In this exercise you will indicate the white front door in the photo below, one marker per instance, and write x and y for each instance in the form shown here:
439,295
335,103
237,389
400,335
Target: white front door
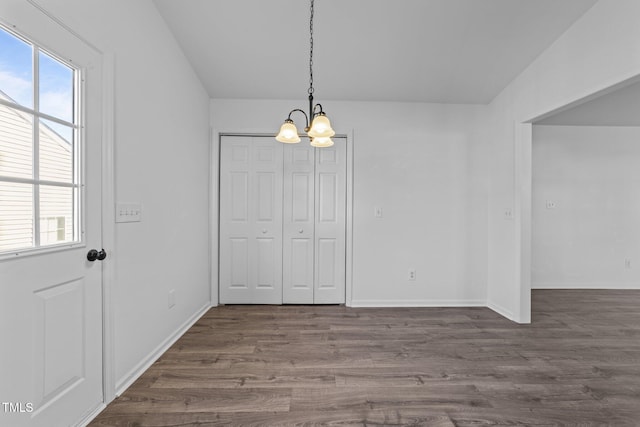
50,294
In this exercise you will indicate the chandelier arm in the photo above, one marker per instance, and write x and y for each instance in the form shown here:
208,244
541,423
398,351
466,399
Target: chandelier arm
306,118
313,111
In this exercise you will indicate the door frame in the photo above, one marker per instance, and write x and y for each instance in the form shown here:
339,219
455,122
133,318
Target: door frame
108,231
214,209
108,227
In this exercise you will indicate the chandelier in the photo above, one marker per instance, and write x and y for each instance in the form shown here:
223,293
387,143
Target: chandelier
319,129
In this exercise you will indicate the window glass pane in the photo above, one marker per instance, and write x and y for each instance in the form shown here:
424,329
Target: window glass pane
16,70
56,152
16,216
56,88
16,143
56,215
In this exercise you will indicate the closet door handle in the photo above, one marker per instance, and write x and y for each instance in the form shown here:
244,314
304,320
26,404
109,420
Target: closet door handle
301,231
264,231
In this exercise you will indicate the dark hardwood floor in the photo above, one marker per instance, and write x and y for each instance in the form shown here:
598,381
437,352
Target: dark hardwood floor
578,363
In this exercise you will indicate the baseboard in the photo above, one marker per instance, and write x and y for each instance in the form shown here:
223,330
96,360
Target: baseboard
417,303
502,311
585,285
146,363
91,415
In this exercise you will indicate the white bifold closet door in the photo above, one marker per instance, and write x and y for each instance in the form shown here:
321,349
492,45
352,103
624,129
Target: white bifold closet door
250,221
312,213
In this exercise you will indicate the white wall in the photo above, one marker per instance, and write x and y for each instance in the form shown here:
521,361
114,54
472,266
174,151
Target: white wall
601,49
420,163
161,161
589,177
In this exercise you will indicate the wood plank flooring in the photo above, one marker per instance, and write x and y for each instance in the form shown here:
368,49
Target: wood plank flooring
578,363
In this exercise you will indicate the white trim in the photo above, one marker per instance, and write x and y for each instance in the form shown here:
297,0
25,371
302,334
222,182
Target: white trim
349,231
108,226
522,207
502,311
155,354
586,285
61,23
85,420
33,111
212,296
419,303
33,181
588,95
42,250
214,215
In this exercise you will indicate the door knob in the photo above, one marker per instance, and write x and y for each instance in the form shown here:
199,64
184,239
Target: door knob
93,255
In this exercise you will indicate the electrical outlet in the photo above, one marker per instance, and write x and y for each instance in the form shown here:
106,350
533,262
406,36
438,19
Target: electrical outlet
172,298
411,274
508,213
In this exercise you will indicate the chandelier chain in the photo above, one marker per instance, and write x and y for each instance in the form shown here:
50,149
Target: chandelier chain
311,50
317,124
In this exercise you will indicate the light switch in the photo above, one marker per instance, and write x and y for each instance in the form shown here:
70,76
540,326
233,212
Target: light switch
128,212
377,212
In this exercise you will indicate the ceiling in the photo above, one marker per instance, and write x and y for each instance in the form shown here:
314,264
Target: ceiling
618,108
445,51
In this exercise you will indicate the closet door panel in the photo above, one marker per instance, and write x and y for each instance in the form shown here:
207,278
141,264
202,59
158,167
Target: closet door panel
235,171
330,226
266,264
298,227
250,221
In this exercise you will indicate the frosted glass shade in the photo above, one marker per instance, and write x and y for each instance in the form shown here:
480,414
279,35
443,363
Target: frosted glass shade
322,142
321,127
288,133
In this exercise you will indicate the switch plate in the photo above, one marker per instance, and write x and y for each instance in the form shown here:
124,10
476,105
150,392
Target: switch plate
550,204
377,212
627,263
128,212
411,274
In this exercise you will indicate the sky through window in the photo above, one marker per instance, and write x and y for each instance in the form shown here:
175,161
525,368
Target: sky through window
55,80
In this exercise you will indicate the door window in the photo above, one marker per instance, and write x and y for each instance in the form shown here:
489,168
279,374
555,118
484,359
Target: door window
39,147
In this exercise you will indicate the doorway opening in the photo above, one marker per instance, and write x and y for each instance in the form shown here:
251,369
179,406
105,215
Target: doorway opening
615,106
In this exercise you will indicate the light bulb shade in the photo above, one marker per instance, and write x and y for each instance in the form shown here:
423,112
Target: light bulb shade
321,127
288,133
322,142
